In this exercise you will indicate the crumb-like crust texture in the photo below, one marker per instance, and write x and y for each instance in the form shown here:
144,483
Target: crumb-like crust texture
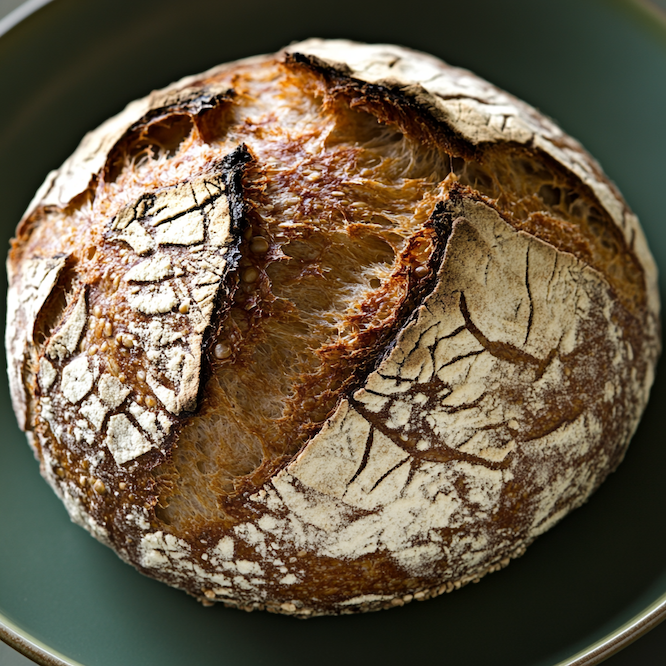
328,331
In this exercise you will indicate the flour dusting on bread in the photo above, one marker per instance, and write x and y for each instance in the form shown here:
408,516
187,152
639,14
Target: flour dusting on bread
328,331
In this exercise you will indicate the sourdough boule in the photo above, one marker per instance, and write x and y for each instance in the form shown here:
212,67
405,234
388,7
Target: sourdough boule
328,330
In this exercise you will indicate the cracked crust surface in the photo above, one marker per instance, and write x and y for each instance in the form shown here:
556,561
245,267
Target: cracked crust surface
328,331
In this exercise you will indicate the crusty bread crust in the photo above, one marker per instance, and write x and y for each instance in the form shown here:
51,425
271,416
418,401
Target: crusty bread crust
328,331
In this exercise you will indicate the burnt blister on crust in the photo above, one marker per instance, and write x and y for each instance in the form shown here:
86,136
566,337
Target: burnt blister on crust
275,357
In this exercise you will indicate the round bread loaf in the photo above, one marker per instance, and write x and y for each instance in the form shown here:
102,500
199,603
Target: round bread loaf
328,331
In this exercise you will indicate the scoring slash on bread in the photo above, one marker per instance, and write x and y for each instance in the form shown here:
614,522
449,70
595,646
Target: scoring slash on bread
328,331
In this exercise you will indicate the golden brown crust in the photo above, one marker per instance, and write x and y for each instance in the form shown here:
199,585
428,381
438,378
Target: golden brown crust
328,331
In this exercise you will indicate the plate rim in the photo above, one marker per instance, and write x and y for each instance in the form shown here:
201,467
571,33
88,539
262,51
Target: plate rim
29,646
20,13
613,642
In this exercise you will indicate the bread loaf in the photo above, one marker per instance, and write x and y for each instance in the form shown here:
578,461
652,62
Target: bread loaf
328,330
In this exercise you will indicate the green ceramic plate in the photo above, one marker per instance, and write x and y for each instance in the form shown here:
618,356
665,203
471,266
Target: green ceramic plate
599,69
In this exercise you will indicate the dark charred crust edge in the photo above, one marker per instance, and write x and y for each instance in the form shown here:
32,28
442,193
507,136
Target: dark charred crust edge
441,223
191,102
391,105
234,167
406,108
441,220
